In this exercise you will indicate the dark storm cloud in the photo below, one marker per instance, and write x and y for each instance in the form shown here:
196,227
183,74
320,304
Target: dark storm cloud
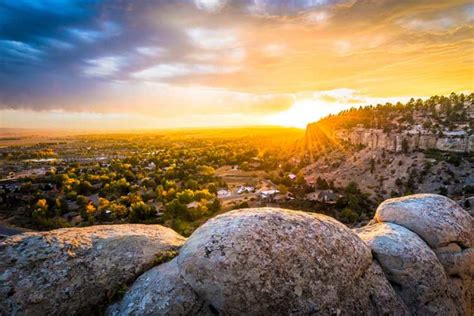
47,46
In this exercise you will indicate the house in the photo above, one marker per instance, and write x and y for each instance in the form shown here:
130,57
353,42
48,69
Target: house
223,193
94,198
323,196
245,189
151,166
282,197
72,205
70,215
328,196
194,204
268,195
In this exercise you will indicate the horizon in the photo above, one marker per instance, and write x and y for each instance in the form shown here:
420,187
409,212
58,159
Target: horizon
103,66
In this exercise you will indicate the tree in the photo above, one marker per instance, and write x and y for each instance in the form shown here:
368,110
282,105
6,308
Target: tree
84,188
372,165
349,216
322,184
352,188
140,211
41,208
282,188
89,212
405,145
175,210
118,210
215,206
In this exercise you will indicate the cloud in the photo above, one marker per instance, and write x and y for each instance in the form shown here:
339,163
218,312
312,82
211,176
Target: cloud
15,51
85,55
212,6
104,66
212,39
152,51
274,49
166,71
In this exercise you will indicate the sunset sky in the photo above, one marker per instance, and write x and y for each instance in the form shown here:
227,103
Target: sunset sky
90,64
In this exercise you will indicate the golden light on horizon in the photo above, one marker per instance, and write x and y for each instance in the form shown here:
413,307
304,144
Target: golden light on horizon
230,63
299,114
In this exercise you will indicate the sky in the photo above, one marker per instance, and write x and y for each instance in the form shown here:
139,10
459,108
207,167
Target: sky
144,64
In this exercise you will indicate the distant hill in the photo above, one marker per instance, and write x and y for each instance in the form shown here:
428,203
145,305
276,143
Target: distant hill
394,149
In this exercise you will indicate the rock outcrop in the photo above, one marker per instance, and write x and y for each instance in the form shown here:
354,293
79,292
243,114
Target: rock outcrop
435,218
160,291
72,271
416,257
411,266
273,261
458,141
448,231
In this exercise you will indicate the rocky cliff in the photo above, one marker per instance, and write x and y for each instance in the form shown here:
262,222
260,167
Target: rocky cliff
415,257
373,138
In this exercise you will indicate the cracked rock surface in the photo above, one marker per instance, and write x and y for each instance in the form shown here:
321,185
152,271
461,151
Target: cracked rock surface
160,291
436,219
71,271
274,261
411,266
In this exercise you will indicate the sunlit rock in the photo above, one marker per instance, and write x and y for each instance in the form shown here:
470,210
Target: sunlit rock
160,291
411,266
274,261
74,270
436,219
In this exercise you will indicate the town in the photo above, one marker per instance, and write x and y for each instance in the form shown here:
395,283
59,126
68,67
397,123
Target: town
177,179
180,179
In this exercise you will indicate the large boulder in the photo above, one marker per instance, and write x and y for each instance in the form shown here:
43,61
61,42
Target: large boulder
411,266
460,291
435,218
458,264
74,270
160,291
383,298
273,261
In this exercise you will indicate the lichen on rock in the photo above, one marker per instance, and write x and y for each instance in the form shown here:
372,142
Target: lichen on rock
264,261
411,266
436,219
160,291
73,270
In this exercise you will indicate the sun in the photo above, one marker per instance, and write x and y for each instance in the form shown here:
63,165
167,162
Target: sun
300,113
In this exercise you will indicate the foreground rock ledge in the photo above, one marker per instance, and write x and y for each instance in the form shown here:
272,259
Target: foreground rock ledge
73,270
273,261
417,259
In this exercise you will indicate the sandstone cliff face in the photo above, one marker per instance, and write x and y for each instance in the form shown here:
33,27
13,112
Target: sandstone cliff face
256,262
378,139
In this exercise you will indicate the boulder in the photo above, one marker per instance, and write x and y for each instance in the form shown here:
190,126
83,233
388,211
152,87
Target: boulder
435,218
460,291
383,298
459,263
160,291
74,270
411,266
272,261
